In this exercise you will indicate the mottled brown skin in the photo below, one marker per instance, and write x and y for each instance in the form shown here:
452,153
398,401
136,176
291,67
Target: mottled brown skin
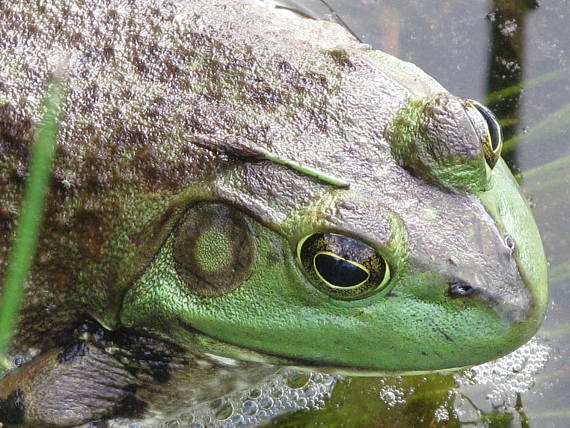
124,156
111,157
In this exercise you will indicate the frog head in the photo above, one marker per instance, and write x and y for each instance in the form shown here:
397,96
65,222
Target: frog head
423,255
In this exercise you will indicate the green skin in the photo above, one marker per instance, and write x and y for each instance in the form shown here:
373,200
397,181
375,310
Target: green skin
290,127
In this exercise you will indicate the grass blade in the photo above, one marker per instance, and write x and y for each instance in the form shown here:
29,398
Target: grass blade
27,230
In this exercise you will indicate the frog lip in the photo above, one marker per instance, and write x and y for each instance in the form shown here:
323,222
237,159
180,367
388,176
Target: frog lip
244,353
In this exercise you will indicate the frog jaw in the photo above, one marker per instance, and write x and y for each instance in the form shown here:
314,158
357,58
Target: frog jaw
225,350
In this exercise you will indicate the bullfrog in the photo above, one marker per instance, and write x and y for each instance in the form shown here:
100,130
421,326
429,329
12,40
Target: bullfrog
237,190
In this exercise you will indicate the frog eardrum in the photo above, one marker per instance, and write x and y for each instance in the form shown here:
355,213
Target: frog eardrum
214,250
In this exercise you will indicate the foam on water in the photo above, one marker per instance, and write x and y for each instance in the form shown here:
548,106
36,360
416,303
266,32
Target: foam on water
484,388
287,391
510,375
492,387
393,395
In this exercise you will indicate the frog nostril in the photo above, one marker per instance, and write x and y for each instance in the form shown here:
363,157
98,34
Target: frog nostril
459,288
510,243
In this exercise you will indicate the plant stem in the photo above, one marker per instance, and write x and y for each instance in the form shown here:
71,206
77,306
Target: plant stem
27,230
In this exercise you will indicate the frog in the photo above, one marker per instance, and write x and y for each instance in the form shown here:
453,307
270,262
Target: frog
236,190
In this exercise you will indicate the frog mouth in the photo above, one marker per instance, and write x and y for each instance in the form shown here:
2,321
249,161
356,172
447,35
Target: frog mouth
222,348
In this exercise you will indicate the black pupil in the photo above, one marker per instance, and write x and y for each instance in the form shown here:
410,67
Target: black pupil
339,272
493,125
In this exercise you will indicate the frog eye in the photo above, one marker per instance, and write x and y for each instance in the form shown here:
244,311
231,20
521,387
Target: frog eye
342,267
493,141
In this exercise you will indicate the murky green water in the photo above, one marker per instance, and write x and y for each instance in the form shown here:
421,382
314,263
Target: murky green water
515,56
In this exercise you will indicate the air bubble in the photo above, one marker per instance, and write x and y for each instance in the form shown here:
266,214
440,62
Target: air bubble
266,403
311,391
277,393
236,419
250,408
392,395
292,395
441,414
297,380
224,412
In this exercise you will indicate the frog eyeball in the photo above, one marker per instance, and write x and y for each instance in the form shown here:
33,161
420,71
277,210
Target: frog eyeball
342,267
493,142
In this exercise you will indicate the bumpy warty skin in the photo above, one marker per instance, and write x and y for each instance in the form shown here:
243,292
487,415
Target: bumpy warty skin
141,82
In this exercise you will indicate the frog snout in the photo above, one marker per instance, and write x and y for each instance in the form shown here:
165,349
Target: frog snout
521,241
511,308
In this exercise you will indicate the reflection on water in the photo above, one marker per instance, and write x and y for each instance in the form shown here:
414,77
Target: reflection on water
312,10
506,64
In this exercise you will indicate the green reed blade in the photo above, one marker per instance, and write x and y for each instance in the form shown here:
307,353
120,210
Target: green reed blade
27,230
555,122
554,184
561,167
496,96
